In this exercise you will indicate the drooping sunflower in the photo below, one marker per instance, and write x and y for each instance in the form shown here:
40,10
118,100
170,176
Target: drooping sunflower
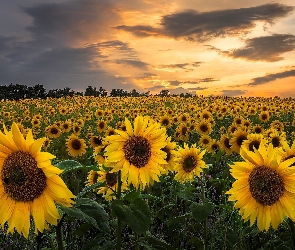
29,184
213,146
75,145
189,163
264,189
137,152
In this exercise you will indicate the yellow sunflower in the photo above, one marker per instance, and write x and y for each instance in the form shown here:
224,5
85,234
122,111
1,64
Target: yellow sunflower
264,189
53,131
189,163
75,146
29,184
95,141
237,139
171,155
111,181
137,152
253,141
225,145
204,141
204,127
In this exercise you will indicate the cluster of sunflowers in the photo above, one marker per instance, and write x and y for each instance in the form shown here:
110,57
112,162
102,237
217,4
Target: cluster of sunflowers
168,135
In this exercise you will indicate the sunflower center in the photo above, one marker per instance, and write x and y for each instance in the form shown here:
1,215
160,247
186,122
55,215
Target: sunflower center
76,144
226,143
257,130
189,163
111,179
97,140
21,177
275,141
168,154
54,131
254,144
205,141
266,185
137,151
204,128
240,140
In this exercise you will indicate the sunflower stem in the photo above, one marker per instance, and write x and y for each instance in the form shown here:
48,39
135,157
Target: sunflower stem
292,229
60,244
119,225
206,220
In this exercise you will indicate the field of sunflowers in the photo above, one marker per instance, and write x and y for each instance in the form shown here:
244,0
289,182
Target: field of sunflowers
153,172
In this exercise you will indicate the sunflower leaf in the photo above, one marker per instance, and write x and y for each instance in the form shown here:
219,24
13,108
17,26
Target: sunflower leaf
137,215
96,211
79,214
201,211
88,189
68,165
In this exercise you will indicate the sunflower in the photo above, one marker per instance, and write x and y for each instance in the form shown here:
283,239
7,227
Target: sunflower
204,141
76,129
253,141
171,155
286,152
110,131
258,129
238,137
183,132
264,187
53,131
101,126
189,163
29,184
46,143
66,126
111,182
165,121
35,123
225,145
213,146
95,141
277,139
75,146
137,152
264,116
99,156
204,127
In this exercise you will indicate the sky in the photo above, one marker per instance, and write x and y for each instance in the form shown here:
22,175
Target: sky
213,47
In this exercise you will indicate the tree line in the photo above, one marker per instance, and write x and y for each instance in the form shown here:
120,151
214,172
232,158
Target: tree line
19,91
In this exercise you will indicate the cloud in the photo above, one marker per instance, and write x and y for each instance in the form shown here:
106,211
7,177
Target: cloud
197,88
232,93
207,79
264,48
179,65
135,63
203,26
174,83
71,22
271,77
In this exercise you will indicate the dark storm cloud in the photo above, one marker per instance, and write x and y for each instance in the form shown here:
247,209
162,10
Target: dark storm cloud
59,23
271,77
264,48
232,93
203,26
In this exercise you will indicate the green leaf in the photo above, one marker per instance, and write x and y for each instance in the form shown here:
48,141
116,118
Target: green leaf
68,165
96,211
77,213
178,219
137,215
232,237
158,243
88,189
132,196
201,211
188,194
196,242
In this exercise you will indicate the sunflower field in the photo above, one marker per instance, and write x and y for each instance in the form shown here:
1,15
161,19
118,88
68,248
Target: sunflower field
151,172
